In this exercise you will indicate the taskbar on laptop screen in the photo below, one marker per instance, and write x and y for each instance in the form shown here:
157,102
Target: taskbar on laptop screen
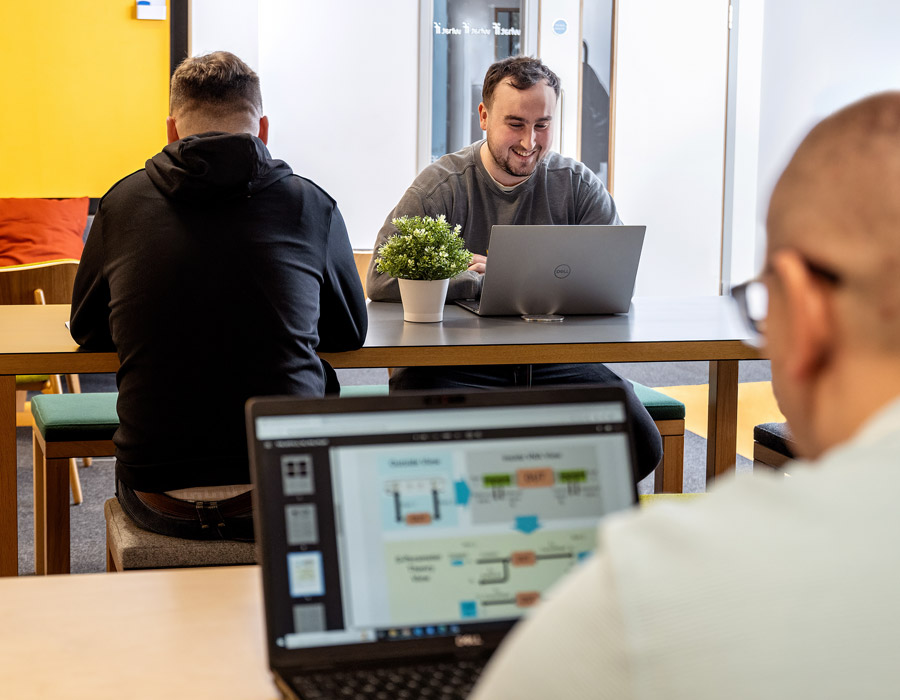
301,640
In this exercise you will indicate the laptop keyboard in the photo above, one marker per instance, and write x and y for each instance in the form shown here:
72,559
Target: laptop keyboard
444,681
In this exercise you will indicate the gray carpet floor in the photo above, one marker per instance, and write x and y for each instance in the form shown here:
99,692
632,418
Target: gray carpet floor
88,526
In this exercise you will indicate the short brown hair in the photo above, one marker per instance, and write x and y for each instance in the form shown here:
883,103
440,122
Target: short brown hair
522,72
218,82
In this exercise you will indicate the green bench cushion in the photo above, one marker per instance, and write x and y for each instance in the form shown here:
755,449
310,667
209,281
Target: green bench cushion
68,417
658,405
65,417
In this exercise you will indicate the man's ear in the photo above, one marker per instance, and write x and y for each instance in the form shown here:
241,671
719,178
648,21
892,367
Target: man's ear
171,130
808,312
482,116
264,130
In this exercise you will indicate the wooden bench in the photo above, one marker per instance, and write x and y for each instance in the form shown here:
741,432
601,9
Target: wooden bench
77,425
65,426
668,414
773,446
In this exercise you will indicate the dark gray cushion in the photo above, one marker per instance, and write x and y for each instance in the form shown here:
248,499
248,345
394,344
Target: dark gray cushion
777,437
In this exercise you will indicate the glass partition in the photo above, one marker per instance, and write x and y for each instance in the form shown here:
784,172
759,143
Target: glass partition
467,37
460,38
596,43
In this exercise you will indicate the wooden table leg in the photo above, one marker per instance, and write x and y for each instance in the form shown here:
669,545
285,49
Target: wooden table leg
721,444
9,534
40,506
56,516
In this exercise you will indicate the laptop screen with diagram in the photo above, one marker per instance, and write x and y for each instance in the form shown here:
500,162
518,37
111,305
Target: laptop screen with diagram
381,527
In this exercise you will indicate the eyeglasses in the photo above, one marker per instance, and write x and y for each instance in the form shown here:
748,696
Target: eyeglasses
752,299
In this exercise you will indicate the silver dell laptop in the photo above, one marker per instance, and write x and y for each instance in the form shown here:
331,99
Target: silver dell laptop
535,270
401,537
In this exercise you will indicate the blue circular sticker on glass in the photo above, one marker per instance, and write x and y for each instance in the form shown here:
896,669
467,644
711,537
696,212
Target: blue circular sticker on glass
560,26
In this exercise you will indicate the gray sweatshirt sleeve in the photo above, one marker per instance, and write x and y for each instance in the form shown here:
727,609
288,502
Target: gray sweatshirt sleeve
379,287
595,205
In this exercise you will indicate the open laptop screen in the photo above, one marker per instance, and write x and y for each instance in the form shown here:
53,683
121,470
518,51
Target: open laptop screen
430,517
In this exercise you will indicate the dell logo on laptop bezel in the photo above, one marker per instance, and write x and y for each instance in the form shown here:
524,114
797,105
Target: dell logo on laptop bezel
468,640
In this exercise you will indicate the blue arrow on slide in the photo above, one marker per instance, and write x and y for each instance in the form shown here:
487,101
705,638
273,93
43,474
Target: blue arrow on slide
527,523
462,492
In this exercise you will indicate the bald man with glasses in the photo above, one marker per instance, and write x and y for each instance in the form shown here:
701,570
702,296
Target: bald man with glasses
771,587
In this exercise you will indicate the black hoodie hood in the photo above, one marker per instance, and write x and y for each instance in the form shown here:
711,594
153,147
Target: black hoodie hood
214,166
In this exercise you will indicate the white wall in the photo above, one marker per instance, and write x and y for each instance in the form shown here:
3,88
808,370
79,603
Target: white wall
744,220
562,52
225,25
818,56
339,82
669,141
344,111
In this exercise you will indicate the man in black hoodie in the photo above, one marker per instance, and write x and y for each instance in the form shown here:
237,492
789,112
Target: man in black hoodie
215,273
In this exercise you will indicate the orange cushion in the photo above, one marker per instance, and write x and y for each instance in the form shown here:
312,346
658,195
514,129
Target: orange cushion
36,230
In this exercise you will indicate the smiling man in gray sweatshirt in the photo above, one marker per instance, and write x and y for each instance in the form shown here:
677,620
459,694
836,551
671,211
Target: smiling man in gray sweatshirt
510,177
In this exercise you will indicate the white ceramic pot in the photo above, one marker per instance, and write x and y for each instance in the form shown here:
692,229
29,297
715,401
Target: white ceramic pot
423,300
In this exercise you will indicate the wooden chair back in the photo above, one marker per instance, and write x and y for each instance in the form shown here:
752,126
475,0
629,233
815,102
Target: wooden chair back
38,283
362,258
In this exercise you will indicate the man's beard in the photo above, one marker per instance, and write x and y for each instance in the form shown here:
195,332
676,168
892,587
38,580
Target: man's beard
502,160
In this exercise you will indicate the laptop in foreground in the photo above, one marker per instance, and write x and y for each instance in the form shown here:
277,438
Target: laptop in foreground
401,537
535,270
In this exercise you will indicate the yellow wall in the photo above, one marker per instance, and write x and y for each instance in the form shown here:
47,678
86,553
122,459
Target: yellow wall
83,98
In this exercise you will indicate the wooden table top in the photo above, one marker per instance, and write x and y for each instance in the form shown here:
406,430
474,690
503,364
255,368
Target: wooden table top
37,337
144,634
